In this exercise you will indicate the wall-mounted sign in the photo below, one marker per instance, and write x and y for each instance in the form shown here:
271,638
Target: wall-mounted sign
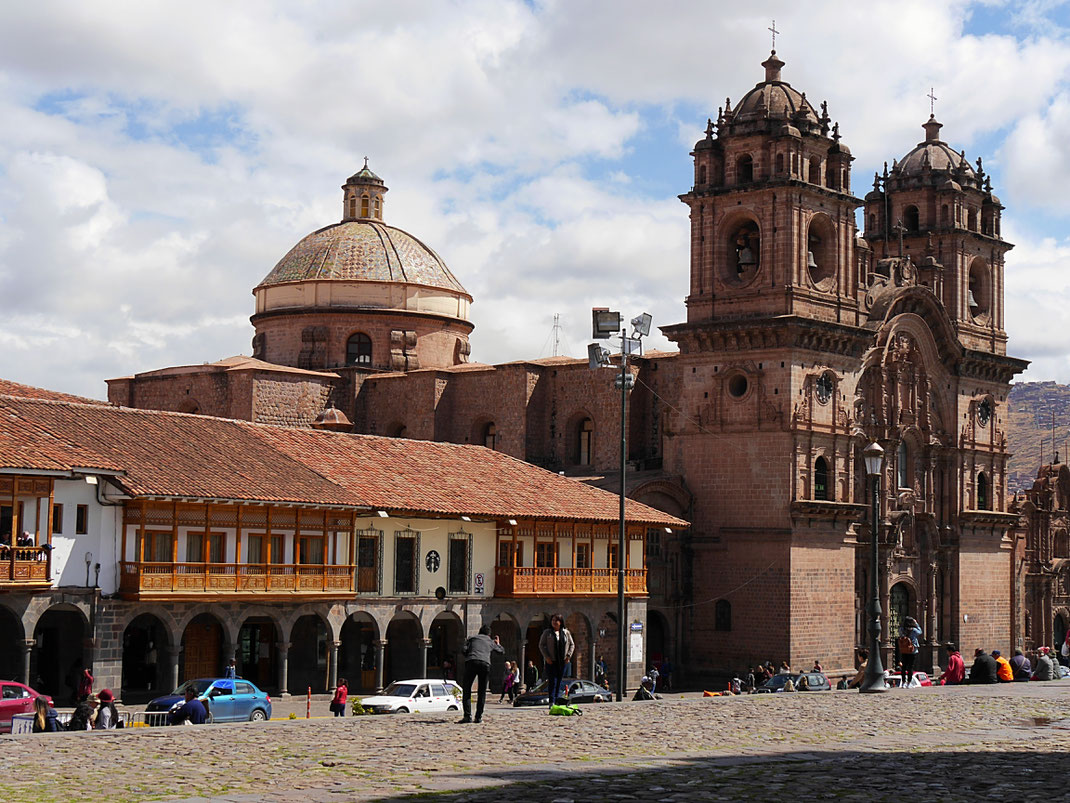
433,561
480,583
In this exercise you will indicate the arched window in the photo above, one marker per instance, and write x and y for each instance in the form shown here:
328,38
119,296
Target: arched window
744,251
702,175
722,615
945,215
745,169
364,206
982,491
815,170
872,222
903,465
821,480
584,442
971,220
779,163
490,435
845,180
352,206
910,218
359,350
378,208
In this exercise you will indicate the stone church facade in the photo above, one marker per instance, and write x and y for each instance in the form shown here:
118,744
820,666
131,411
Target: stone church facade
804,340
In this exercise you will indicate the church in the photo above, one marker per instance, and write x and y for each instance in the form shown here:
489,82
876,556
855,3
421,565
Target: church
802,341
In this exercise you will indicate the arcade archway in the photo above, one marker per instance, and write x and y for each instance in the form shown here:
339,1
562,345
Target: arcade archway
404,645
60,652
309,654
256,651
447,644
356,656
202,648
145,656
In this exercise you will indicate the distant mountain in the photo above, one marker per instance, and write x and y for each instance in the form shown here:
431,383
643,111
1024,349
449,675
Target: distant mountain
1029,430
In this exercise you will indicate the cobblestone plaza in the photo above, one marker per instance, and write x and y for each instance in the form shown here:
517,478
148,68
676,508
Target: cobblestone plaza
940,744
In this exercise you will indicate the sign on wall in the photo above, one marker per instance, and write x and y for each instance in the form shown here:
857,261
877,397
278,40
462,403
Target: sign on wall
479,583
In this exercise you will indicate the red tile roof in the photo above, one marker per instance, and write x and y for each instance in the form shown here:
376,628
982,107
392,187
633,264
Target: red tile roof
9,388
193,456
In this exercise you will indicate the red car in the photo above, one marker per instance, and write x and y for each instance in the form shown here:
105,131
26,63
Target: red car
16,698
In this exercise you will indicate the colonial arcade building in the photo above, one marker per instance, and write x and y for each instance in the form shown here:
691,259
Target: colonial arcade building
804,340
305,554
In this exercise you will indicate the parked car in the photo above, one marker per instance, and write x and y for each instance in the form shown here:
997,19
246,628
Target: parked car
894,679
16,698
227,699
422,695
815,681
577,691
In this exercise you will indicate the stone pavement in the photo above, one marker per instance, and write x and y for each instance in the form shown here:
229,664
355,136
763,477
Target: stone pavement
1008,742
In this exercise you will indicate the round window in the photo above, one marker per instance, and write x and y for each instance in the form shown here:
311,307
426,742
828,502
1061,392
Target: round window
737,386
984,412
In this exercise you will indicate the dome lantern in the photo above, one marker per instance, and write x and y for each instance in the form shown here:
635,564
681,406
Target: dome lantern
362,197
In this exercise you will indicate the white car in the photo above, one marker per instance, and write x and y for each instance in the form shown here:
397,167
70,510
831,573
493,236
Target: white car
415,696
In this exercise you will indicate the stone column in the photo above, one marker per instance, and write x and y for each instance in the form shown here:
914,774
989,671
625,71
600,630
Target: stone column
592,649
284,667
334,665
230,650
522,646
27,651
425,645
380,650
176,658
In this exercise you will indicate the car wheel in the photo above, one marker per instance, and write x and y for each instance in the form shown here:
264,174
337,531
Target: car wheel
402,710
599,699
453,708
258,715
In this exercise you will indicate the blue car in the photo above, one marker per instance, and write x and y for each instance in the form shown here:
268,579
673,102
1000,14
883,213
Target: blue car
227,699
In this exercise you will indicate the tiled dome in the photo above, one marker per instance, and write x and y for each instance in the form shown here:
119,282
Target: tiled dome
933,154
774,97
363,250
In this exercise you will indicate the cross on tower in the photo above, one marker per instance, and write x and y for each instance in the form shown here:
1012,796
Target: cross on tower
365,161
932,102
775,32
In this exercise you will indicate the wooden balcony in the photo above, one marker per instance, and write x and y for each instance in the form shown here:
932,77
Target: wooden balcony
525,581
24,567
258,580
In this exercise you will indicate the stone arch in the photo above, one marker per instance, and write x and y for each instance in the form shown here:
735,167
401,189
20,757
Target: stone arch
404,647
311,638
259,634
921,311
605,647
484,432
740,235
446,633
146,657
658,639
580,436
229,625
911,218
359,350
821,254
1060,625
189,406
358,652
979,288
506,627
664,495
745,169
821,486
814,170
203,644
61,634
902,602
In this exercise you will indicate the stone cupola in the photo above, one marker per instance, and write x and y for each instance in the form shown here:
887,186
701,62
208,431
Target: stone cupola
363,195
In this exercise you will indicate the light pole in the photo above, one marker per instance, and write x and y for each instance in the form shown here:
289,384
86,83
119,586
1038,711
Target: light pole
874,679
604,325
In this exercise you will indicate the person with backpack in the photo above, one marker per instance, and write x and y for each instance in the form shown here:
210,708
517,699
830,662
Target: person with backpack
45,719
909,633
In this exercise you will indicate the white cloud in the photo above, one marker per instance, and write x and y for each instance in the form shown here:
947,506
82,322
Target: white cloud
157,160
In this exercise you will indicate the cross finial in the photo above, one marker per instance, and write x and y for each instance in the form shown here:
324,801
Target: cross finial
365,161
774,32
932,102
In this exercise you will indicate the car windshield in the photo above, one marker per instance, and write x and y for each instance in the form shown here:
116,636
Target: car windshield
776,681
199,686
399,690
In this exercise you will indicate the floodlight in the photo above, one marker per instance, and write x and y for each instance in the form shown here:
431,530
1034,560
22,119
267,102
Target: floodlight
604,323
383,514
512,522
641,324
466,518
597,357
631,345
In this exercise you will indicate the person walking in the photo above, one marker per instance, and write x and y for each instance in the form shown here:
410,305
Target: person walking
341,694
477,651
507,683
556,646
909,633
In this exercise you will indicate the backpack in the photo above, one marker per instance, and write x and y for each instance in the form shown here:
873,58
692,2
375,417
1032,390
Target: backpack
906,644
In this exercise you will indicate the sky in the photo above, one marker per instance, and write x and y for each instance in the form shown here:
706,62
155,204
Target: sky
157,159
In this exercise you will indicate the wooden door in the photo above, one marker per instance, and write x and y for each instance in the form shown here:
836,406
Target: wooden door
202,650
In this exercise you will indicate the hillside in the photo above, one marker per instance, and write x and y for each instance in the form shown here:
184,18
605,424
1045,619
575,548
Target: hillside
1029,430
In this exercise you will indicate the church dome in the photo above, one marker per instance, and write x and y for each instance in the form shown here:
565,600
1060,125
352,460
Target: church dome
363,250
775,98
933,154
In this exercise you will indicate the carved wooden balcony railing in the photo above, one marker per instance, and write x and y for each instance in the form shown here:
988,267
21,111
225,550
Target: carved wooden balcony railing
524,581
254,579
24,566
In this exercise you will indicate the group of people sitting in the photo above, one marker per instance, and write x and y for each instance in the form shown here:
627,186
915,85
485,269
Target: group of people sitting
94,712
994,668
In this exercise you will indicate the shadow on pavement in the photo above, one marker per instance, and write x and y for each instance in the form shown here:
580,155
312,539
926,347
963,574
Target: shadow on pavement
845,775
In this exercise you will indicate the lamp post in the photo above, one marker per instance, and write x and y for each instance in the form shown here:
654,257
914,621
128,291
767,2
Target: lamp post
604,325
874,679
88,563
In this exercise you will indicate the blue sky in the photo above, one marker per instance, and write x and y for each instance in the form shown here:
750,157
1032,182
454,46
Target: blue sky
156,161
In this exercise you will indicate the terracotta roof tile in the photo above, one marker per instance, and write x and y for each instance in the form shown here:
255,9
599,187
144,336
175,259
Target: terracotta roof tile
9,388
176,454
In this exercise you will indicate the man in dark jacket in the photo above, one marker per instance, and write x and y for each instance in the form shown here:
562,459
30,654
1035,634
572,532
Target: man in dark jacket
984,668
531,676
477,652
191,711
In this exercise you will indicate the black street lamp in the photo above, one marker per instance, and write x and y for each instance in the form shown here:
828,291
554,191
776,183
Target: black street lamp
874,679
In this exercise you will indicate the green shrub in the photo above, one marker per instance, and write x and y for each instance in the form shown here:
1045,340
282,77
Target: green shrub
357,708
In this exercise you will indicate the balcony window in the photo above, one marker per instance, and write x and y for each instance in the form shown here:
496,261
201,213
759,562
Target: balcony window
544,555
505,553
368,560
459,569
583,556
406,562
311,549
157,546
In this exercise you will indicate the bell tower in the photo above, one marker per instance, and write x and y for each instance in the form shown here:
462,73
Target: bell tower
772,215
936,208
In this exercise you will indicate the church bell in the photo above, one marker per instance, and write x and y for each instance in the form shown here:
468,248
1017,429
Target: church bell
972,301
810,260
746,258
